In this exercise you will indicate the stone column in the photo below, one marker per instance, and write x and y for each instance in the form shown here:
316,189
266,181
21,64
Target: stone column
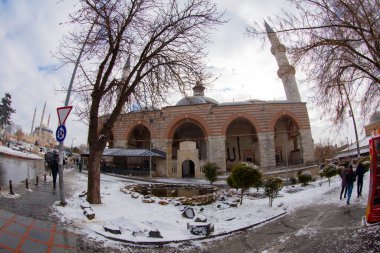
267,149
217,151
307,146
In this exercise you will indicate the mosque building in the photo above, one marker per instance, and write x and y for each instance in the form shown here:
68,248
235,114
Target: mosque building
199,129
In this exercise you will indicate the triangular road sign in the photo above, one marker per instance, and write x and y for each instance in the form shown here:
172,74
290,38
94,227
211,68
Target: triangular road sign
63,112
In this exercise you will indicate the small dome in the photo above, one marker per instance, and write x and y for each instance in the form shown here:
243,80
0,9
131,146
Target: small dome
375,117
196,100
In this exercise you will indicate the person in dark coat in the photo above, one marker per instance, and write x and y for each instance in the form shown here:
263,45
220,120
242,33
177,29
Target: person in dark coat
360,170
350,178
344,181
54,169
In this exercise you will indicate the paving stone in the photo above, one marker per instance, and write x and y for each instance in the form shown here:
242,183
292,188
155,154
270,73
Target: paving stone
65,239
39,235
43,224
23,220
33,247
63,250
16,229
9,240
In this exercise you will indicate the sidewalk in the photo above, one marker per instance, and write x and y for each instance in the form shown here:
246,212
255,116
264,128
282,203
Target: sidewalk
26,224
23,234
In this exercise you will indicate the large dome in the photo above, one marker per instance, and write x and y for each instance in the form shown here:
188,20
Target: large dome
196,100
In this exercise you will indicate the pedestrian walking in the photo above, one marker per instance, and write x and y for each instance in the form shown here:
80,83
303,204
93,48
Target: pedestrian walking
350,178
360,170
80,166
54,169
344,181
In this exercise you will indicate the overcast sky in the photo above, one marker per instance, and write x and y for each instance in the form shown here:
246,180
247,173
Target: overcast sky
30,32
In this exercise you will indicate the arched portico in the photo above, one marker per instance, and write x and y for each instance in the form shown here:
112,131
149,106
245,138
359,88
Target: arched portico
287,141
241,142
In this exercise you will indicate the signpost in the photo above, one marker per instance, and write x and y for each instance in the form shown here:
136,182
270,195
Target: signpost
63,113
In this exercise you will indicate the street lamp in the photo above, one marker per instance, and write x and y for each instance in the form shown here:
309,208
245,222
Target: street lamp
71,149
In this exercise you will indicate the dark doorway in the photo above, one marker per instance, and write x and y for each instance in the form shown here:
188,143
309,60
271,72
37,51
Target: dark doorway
188,169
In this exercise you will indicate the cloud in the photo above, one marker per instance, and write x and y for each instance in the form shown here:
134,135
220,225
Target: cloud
30,31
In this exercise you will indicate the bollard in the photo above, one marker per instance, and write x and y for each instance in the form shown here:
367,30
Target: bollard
26,184
11,188
45,177
36,180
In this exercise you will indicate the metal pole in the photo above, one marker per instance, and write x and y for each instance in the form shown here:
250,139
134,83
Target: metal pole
354,121
61,144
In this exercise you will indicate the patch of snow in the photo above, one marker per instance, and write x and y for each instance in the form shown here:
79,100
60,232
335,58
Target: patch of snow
136,219
17,153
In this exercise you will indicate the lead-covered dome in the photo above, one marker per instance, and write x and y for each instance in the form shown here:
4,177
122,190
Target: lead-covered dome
198,97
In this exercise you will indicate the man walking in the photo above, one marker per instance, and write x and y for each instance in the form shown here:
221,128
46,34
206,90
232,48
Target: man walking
350,178
54,169
360,170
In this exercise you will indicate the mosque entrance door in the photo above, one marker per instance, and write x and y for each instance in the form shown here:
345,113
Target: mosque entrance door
188,169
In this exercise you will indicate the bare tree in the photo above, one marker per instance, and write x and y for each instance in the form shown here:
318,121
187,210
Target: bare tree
337,44
324,150
160,43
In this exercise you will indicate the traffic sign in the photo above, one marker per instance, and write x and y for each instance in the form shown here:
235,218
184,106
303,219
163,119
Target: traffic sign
63,112
60,134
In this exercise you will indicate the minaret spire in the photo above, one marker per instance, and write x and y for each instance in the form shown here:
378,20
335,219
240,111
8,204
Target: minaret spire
42,118
48,120
285,71
34,116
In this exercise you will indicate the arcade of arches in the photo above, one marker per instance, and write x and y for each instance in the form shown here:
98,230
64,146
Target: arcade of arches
190,140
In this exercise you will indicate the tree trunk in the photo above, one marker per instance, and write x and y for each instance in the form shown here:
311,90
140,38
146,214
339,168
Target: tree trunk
93,185
241,196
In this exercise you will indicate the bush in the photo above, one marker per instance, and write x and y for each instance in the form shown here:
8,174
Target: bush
329,171
243,176
210,171
304,177
272,186
230,182
293,180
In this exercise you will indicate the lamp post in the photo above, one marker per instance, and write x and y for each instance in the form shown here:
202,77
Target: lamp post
71,149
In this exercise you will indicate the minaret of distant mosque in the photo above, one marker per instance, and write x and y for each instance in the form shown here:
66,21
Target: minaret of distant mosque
34,116
285,71
42,118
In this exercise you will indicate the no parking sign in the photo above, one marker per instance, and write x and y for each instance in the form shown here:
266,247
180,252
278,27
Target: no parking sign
60,134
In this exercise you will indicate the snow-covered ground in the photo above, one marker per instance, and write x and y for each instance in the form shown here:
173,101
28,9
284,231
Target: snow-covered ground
16,153
135,219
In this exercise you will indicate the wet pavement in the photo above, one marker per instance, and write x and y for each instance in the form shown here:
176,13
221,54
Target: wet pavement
23,234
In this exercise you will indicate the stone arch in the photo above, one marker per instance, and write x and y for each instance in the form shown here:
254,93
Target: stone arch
244,115
241,141
139,136
177,121
281,113
135,124
287,140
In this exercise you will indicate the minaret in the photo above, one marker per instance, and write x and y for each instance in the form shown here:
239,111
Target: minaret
42,118
285,71
126,69
126,72
198,89
34,117
48,120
